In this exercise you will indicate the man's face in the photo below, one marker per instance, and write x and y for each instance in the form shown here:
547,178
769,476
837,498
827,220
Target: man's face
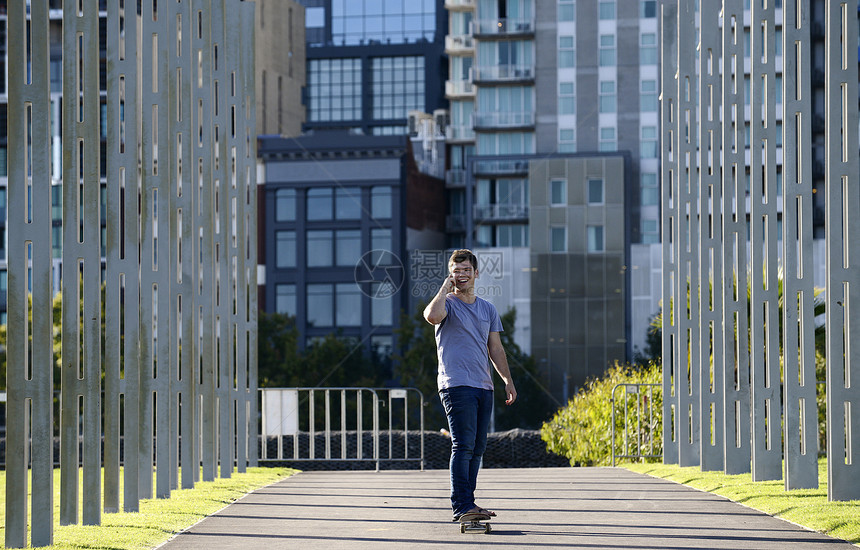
464,275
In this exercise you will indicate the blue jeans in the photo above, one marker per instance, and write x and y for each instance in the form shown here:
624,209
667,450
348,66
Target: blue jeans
469,411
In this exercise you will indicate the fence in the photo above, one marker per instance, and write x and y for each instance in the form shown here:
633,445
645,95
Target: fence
340,424
647,421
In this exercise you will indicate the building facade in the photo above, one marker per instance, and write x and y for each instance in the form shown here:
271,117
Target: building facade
371,62
339,213
280,66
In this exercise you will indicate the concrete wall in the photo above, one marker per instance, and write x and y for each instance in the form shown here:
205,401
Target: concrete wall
578,315
280,66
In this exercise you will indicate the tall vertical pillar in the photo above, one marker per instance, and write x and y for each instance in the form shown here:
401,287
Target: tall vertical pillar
248,176
221,265
764,264
122,261
842,228
686,304
81,403
155,247
800,415
204,223
29,344
669,225
736,377
710,239
182,242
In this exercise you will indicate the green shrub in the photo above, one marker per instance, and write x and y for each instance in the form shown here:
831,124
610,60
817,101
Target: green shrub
582,430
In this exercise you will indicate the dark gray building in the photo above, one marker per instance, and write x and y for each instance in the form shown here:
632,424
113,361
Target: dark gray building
370,62
338,212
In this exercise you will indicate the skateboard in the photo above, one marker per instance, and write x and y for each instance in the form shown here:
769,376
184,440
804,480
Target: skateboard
473,523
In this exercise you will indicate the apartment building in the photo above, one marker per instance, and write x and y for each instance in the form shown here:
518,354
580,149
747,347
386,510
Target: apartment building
370,62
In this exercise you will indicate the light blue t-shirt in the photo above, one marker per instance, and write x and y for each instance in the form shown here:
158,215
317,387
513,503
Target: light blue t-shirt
461,343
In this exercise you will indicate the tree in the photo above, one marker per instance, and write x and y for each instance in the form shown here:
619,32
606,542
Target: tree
535,403
416,366
330,362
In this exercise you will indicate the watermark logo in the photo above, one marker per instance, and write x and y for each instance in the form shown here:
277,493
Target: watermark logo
379,273
428,269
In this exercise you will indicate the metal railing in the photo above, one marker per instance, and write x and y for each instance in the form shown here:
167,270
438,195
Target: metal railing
647,420
501,211
339,424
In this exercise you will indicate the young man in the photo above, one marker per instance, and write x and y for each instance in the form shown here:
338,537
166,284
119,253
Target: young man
467,335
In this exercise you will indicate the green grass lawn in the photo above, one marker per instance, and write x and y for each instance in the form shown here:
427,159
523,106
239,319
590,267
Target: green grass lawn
806,507
158,519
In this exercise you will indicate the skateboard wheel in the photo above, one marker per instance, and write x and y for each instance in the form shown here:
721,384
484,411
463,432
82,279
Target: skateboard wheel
462,527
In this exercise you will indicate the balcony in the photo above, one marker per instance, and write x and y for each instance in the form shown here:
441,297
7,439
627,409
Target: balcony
460,5
455,178
500,212
504,121
459,44
504,28
459,89
500,74
502,168
460,133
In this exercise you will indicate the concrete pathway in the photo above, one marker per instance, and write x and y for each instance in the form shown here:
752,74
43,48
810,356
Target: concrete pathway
537,508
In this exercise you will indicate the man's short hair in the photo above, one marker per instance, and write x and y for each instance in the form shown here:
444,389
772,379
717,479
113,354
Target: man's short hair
463,255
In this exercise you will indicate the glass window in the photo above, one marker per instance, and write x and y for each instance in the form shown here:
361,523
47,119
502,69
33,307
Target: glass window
381,304
376,21
650,191
595,191
606,9
320,248
566,98
558,239
4,282
566,140
320,203
607,96
285,205
285,249
607,50
607,139
648,8
347,203
566,10
320,305
648,96
57,202
347,247
334,89
314,17
648,143
380,243
398,86
566,52
648,48
558,192
285,299
512,235
380,202
348,309
595,238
